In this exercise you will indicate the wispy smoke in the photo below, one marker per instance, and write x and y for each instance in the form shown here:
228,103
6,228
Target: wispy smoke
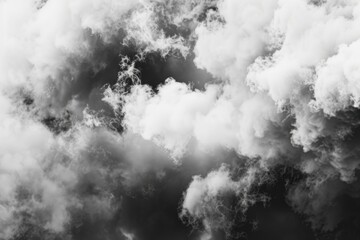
165,119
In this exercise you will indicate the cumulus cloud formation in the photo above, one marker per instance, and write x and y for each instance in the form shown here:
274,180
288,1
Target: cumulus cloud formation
286,88
176,119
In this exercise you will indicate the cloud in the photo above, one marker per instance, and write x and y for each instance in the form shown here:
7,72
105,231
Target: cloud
233,27
169,115
286,91
335,88
207,199
49,50
81,132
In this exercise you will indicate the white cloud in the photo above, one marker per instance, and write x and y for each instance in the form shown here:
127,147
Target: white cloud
203,199
287,74
41,46
288,88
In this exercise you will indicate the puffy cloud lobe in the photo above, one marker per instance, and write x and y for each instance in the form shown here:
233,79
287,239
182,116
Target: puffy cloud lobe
169,116
293,68
202,190
175,115
205,198
336,87
227,47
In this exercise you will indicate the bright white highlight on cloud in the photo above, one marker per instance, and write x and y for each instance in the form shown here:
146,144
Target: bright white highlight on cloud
203,191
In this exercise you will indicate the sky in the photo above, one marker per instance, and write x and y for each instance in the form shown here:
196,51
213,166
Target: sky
179,119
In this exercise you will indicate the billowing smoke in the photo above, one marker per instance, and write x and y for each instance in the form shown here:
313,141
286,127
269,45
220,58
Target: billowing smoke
177,119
